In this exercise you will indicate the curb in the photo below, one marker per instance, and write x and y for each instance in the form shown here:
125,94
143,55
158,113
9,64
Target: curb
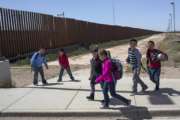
143,113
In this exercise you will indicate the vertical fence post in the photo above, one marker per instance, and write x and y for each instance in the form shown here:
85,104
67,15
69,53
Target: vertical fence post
1,38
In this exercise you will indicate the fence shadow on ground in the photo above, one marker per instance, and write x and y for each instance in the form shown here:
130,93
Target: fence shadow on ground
134,112
161,97
71,89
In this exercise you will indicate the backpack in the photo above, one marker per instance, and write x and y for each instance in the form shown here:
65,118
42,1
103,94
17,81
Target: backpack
117,69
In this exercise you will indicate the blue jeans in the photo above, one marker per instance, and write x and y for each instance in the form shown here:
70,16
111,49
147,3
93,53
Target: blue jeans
38,70
154,74
137,79
110,87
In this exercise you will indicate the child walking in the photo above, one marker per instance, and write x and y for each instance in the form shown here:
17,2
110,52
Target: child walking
154,63
37,61
107,79
134,59
96,69
64,64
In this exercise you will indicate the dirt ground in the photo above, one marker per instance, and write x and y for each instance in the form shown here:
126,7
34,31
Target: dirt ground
23,76
119,51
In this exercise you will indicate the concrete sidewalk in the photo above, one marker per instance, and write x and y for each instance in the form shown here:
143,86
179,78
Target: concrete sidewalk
69,99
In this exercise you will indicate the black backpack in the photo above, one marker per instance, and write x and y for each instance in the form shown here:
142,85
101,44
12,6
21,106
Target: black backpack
117,69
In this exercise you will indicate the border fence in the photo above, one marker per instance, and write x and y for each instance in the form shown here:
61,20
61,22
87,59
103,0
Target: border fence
23,32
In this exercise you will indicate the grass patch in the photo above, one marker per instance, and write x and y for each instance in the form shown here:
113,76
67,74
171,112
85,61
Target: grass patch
22,62
79,51
52,57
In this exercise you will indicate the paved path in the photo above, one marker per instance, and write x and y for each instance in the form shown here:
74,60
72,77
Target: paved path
69,98
84,118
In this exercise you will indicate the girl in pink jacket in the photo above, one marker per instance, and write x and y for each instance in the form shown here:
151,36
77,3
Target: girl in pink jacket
107,79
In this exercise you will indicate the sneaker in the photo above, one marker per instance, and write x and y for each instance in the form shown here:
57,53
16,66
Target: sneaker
144,89
45,83
90,97
128,103
134,91
156,89
105,107
35,84
102,101
59,80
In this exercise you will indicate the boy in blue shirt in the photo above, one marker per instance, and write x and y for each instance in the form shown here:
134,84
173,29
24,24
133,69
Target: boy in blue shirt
37,61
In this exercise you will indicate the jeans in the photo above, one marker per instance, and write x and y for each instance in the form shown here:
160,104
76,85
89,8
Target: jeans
115,82
154,74
93,84
68,71
137,79
38,70
110,87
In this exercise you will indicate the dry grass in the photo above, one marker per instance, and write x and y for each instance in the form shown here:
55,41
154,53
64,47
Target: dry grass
171,45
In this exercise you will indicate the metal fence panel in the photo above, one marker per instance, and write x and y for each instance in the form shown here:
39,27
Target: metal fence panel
23,32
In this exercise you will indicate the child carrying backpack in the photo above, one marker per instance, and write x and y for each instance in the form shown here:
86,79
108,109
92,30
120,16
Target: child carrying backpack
107,79
117,68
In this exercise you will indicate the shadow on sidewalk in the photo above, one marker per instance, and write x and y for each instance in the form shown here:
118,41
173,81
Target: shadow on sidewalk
52,84
42,86
134,113
71,89
170,91
130,112
161,97
115,102
71,81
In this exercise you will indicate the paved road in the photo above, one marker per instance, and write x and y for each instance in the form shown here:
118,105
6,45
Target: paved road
84,118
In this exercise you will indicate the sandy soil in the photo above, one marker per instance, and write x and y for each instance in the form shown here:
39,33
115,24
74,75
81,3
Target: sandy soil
23,76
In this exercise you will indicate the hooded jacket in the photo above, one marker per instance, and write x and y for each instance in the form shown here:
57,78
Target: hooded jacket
106,75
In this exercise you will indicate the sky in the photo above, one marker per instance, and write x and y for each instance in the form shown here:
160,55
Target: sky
146,14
